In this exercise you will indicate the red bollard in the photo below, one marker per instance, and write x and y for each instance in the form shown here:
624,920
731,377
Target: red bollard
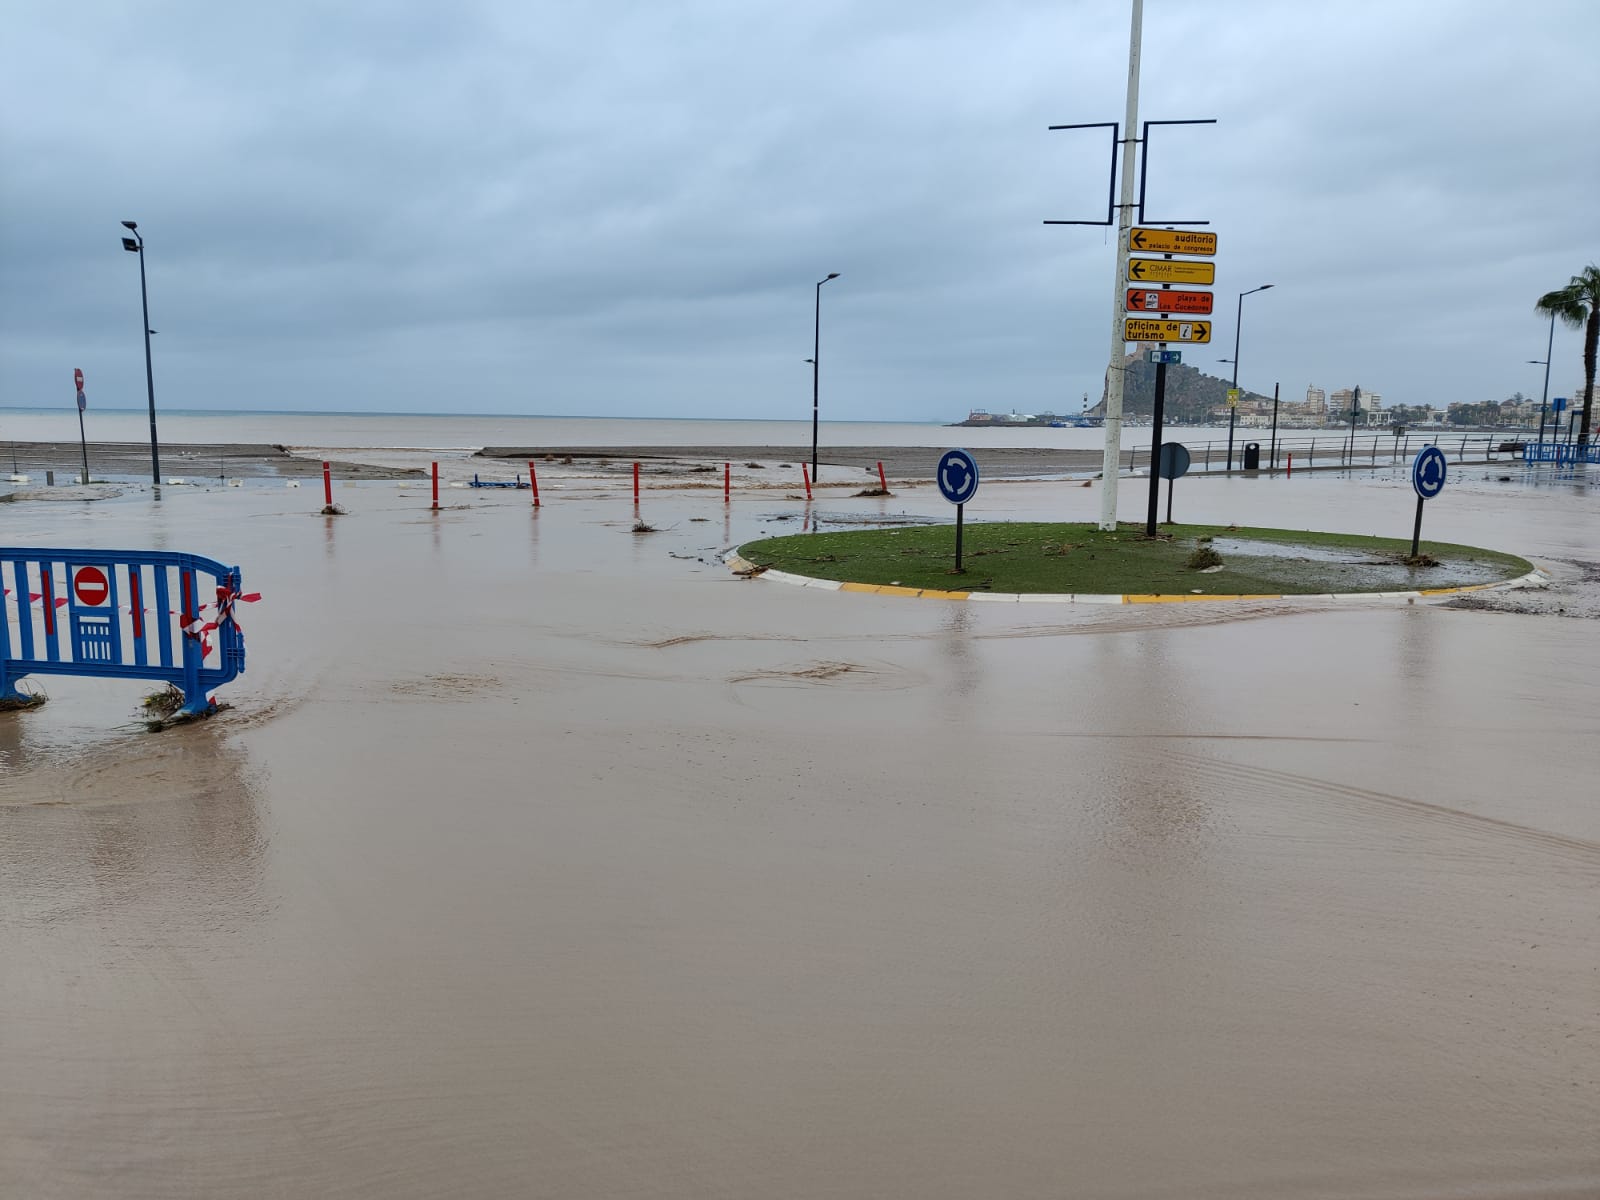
327,486
806,475
882,482
533,481
435,485
636,483
727,483
1290,469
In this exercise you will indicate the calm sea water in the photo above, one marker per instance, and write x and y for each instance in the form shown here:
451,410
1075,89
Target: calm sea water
446,432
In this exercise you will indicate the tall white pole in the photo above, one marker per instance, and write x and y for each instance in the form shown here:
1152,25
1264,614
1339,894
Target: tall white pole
1112,462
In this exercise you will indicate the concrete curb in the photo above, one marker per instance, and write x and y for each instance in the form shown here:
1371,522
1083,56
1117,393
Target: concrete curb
741,566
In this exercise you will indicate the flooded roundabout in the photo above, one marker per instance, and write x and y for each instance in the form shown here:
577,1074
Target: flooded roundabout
539,857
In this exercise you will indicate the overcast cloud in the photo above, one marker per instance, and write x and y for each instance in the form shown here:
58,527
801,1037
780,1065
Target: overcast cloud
623,208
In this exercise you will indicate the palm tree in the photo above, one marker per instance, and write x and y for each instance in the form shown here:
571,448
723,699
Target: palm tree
1578,305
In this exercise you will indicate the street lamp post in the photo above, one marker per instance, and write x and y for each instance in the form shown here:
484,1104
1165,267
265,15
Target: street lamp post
816,355
1544,398
135,245
1233,408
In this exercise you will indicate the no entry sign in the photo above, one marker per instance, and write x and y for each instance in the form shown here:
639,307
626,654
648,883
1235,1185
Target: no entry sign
90,586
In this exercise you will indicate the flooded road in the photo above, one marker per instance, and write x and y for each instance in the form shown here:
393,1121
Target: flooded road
536,857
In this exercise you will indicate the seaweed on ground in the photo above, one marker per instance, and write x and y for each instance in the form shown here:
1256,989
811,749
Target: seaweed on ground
32,698
163,707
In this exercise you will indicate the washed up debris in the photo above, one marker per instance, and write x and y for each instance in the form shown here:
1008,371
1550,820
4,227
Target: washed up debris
33,697
163,707
1204,558
164,703
642,526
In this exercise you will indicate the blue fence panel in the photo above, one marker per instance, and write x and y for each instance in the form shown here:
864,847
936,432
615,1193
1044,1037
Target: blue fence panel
1560,452
91,612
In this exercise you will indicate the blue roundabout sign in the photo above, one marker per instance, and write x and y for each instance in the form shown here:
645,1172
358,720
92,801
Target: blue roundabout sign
1428,470
957,476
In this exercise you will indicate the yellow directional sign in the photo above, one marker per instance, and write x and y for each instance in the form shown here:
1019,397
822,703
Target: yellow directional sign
1137,329
1171,241
1170,270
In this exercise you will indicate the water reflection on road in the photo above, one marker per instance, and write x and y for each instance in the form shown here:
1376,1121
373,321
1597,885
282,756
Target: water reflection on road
542,857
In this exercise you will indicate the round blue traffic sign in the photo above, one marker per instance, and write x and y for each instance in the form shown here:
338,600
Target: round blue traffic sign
957,476
1428,472
1173,461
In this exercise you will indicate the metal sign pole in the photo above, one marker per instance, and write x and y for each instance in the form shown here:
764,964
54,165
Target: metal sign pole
1428,473
957,477
1273,456
83,443
1155,447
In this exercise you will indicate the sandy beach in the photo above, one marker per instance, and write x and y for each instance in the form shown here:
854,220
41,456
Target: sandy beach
902,462
840,464
188,460
537,857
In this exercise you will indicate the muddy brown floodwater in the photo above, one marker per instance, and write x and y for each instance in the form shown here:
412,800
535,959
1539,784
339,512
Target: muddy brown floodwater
540,858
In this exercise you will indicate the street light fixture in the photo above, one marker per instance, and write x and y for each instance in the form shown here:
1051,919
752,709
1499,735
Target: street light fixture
816,354
135,245
1233,408
1544,398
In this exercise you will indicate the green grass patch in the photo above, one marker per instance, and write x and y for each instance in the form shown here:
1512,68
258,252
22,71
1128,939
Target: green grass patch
1039,557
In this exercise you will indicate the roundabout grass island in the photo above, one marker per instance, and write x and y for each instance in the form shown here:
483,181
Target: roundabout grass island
1192,561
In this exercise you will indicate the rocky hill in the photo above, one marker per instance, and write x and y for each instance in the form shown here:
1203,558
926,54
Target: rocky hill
1192,395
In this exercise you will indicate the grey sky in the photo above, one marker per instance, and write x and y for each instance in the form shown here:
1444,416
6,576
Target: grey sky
623,208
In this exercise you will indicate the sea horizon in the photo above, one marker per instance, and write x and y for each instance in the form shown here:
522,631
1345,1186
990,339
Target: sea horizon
300,429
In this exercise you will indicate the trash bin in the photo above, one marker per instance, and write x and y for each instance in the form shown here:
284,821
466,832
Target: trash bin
1252,456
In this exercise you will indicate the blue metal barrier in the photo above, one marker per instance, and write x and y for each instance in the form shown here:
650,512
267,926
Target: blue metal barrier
481,483
1559,452
121,619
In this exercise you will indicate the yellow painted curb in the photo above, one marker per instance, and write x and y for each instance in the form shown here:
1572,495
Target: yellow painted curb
890,589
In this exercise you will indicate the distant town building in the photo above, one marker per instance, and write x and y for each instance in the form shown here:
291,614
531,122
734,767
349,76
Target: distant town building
1340,402
1316,400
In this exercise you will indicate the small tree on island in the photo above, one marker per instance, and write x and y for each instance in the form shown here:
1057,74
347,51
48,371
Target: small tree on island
1578,305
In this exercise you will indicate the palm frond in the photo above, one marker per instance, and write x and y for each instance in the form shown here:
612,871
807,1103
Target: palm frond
1572,304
